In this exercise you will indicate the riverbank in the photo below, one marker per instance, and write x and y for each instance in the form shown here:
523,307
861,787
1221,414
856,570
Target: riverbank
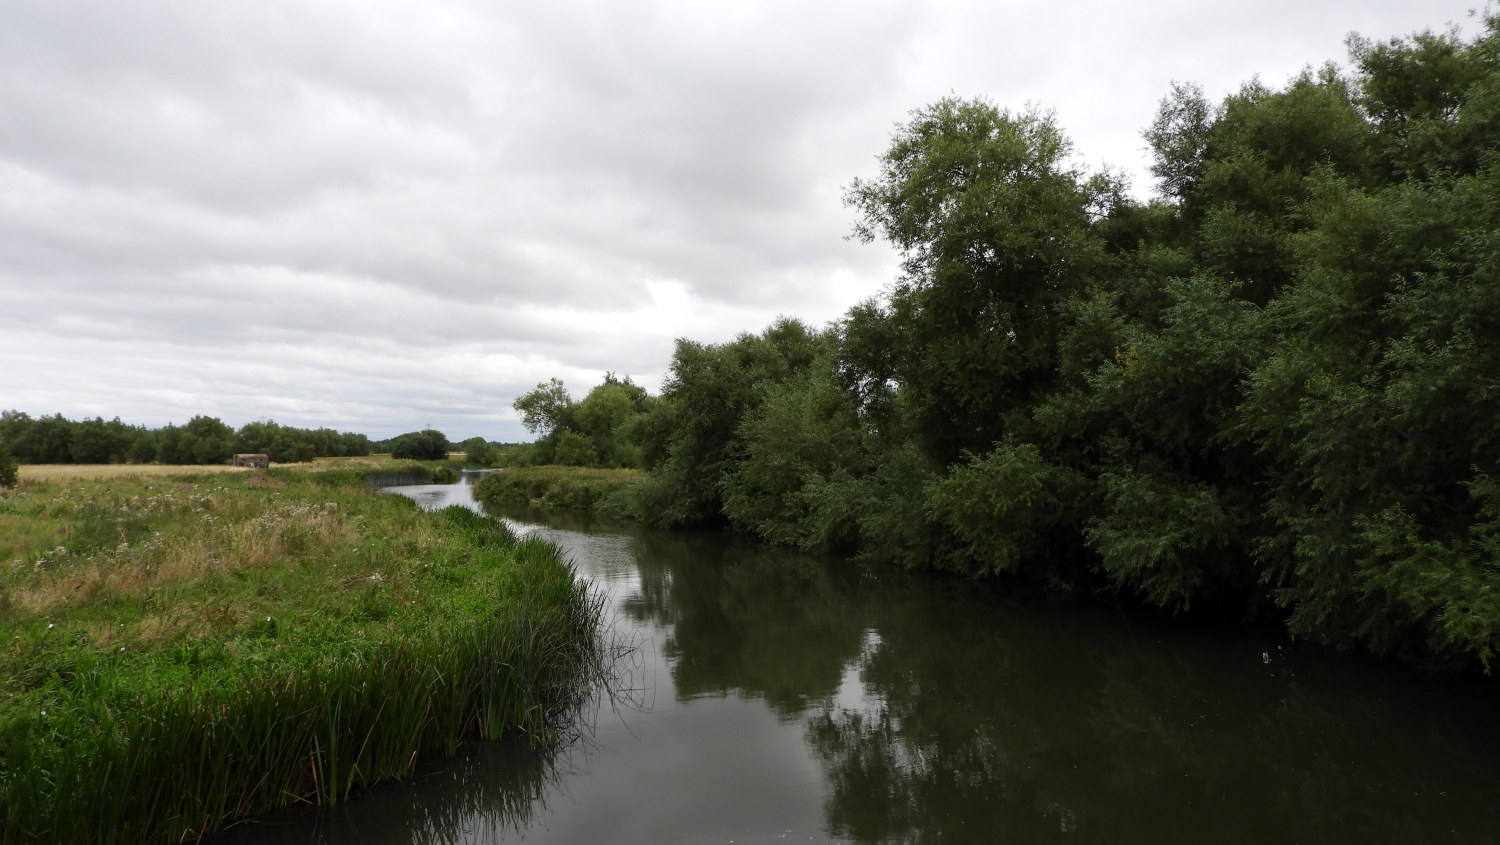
189,650
559,488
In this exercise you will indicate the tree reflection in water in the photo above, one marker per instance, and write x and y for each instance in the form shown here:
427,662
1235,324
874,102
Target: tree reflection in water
945,711
933,710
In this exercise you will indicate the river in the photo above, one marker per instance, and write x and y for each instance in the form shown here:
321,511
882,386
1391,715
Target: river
770,696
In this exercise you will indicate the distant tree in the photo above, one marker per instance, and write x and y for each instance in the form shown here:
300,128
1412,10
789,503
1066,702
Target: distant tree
9,468
98,442
283,447
48,440
479,451
207,440
168,442
425,445
14,428
143,445
351,444
256,437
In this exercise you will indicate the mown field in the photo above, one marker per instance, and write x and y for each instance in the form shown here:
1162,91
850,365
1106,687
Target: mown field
182,650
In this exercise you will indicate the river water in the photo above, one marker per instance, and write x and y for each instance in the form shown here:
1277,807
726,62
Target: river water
769,696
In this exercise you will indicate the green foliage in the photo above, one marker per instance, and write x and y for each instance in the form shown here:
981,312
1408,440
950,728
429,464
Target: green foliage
426,445
480,452
601,417
1434,100
9,467
1002,510
1178,139
570,488
994,232
286,444
804,447
599,431
47,440
711,389
542,409
571,448
204,440
1378,406
1167,538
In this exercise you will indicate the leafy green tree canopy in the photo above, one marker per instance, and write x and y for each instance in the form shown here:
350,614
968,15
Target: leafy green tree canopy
542,410
425,445
994,231
9,468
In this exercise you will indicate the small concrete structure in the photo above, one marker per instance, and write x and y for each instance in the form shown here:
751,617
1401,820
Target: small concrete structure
256,461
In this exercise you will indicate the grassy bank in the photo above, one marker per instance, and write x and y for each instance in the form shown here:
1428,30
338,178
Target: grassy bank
557,487
181,652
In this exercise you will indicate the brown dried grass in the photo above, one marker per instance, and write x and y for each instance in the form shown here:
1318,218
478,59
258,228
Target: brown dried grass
279,531
70,473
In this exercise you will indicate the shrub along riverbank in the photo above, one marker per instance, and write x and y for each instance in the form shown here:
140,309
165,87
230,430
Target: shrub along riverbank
558,487
183,652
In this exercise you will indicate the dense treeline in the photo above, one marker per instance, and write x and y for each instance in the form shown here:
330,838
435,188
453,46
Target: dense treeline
1275,389
203,440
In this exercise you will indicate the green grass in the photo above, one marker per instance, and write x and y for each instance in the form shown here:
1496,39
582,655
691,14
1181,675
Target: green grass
571,488
178,653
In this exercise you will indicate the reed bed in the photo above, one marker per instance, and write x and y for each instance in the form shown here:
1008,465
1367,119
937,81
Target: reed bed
180,655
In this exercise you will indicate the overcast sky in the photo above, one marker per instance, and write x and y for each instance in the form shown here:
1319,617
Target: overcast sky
381,217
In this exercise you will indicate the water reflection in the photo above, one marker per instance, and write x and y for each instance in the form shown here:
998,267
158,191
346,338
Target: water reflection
796,698
1040,726
943,711
489,793
763,623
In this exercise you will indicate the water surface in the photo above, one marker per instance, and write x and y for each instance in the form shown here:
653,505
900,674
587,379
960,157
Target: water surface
777,697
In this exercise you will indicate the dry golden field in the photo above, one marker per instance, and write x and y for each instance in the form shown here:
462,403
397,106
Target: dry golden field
67,473
62,473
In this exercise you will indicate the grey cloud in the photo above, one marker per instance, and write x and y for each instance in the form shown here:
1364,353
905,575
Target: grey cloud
374,216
